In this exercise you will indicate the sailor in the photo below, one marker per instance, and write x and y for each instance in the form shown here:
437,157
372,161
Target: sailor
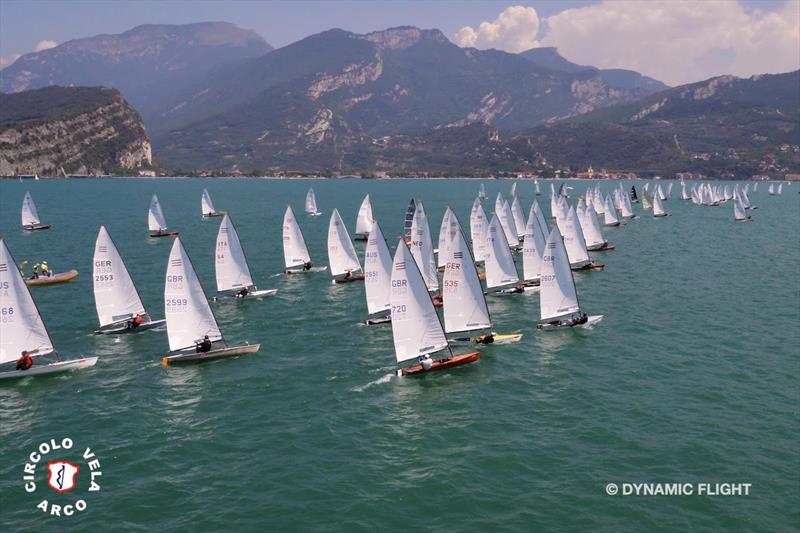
426,362
204,345
35,274
307,265
633,192
135,322
485,339
348,275
242,292
45,269
25,361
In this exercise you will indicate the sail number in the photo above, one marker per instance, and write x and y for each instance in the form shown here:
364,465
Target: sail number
6,314
104,277
176,305
399,309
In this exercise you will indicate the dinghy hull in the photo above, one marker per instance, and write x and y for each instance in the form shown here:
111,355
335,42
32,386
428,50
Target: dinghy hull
358,277
442,364
378,320
36,227
214,214
498,338
250,295
300,270
61,277
589,266
208,356
592,320
164,234
53,368
605,247
122,329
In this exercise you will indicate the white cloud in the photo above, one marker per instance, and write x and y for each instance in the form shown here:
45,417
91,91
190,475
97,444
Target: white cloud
514,30
45,45
9,59
676,41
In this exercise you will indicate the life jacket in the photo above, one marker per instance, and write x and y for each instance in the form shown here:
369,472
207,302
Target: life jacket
25,362
137,320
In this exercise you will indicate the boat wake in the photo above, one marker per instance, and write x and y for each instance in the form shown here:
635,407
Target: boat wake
386,378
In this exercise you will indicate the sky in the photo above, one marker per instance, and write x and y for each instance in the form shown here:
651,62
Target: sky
675,41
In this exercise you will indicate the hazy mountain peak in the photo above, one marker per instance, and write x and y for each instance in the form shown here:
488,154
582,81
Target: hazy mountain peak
404,37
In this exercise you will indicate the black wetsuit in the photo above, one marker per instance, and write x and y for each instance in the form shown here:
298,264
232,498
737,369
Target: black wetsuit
204,346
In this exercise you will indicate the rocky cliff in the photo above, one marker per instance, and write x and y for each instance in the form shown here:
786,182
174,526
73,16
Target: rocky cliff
80,130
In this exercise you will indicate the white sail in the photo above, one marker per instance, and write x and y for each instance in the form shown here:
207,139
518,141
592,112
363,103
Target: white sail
115,295
311,202
206,205
377,272
535,208
30,216
21,326
553,203
500,268
341,253
477,230
598,202
558,297
609,212
738,208
231,263
669,190
444,238
592,234
295,252
780,189
155,216
416,329
532,247
519,217
506,218
464,304
658,207
771,189
189,317
422,248
513,189
364,221
625,205
573,240
481,192
536,186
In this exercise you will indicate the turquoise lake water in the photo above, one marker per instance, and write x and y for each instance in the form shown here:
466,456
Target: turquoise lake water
691,377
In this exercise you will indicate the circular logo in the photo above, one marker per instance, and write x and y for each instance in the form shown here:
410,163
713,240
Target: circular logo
70,473
612,489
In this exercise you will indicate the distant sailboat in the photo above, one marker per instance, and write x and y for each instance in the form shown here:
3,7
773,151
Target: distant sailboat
465,309
156,222
780,189
30,216
536,187
190,319
626,209
364,220
477,230
422,248
234,281
116,299
311,204
295,252
610,213
739,213
558,301
26,332
501,272
592,233
416,329
506,219
342,256
771,189
207,206
409,220
377,277
532,250
575,244
513,191
482,192
658,207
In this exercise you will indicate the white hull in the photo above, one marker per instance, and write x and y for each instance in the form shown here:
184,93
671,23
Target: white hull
52,368
386,319
122,328
226,297
592,320
213,354
300,270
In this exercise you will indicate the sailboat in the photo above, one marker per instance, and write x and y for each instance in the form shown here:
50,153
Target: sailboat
575,244
444,240
482,192
156,222
532,249
739,213
311,203
115,296
30,216
610,213
592,234
646,202
416,330
409,220
477,230
26,331
422,248
364,220
519,218
189,316
626,209
780,189
342,257
295,253
771,189
377,277
207,206
536,187
465,307
558,302
506,218
501,272
658,207
513,191
234,281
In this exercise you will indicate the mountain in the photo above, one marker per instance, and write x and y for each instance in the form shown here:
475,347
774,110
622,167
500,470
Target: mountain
617,78
150,64
75,129
723,127
322,100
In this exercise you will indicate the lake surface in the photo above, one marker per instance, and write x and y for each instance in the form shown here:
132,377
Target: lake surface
691,377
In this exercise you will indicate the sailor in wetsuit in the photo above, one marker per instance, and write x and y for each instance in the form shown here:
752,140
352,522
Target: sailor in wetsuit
204,345
485,339
243,292
307,265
